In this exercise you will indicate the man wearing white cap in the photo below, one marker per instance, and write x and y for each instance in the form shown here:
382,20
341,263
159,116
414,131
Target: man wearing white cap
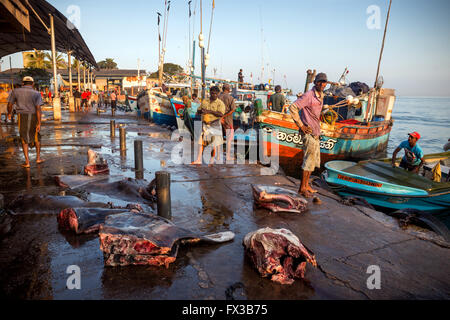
28,106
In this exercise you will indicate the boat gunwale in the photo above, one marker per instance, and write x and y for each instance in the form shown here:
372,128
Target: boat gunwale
376,181
428,195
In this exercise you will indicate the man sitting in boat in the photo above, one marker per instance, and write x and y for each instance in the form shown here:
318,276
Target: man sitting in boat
413,159
310,104
211,110
277,100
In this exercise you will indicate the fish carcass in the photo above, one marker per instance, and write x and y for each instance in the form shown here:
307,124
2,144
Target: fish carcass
279,254
278,199
146,239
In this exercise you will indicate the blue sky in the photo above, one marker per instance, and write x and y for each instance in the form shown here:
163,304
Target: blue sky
326,35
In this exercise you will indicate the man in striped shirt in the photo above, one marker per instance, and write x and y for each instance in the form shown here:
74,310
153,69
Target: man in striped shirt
310,104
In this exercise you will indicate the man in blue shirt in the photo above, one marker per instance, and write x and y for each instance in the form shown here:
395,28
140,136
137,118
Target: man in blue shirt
413,159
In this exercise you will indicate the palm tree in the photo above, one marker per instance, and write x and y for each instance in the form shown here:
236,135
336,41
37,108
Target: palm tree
39,60
60,61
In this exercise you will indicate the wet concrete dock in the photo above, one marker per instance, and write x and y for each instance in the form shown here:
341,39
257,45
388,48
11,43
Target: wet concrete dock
346,240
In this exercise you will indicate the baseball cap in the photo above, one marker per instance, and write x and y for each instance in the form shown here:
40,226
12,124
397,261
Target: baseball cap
28,79
415,135
321,77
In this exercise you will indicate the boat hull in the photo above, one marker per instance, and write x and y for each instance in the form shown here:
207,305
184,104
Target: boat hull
386,187
342,141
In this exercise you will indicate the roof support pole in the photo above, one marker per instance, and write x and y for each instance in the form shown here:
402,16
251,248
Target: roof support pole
84,77
71,100
69,61
56,101
79,71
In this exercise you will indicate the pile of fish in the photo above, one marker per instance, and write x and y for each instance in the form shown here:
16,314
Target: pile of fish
278,199
279,254
146,239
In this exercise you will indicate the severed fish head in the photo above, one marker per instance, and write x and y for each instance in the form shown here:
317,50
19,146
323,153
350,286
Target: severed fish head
278,199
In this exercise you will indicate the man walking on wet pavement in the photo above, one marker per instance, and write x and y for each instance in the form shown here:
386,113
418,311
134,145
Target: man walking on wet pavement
310,104
227,120
28,105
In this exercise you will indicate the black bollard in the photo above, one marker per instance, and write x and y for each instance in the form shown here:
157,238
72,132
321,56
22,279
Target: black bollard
123,138
138,159
113,128
163,194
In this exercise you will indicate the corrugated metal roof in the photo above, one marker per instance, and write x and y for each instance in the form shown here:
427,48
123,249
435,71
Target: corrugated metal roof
12,41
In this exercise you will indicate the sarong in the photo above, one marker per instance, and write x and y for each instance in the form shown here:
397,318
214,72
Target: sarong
27,128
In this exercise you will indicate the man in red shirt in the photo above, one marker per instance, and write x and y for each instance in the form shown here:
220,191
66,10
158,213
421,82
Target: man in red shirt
84,100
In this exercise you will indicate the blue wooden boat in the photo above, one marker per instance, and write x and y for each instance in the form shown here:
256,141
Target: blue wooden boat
382,185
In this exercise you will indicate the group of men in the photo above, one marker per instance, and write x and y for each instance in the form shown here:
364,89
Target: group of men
217,121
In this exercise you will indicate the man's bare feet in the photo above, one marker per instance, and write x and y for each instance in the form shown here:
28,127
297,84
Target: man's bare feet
39,161
196,162
311,189
305,193
26,165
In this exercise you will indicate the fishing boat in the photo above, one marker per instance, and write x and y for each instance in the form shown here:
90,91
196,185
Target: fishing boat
353,138
382,185
156,105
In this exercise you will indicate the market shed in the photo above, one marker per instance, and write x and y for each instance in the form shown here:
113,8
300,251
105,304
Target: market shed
22,29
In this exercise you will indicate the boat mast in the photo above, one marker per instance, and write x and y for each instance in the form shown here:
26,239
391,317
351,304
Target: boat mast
382,45
373,100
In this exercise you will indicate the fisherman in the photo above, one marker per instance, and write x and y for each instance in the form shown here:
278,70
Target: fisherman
211,110
227,120
195,98
413,159
84,101
311,104
240,78
28,105
277,100
113,100
77,96
3,104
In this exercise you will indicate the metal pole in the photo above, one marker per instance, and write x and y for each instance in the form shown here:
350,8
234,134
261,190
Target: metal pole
123,138
113,128
138,159
71,100
56,101
69,60
382,45
203,74
79,76
163,194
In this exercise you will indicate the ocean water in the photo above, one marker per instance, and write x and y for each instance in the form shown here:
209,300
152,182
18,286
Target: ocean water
429,116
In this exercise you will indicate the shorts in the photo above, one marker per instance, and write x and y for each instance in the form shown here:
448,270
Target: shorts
212,134
407,166
311,153
27,128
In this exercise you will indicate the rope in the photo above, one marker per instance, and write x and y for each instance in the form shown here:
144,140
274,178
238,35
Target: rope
210,26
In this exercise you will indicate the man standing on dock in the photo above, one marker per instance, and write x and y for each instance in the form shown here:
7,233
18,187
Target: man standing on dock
211,110
28,105
240,78
310,104
227,120
277,100
413,159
